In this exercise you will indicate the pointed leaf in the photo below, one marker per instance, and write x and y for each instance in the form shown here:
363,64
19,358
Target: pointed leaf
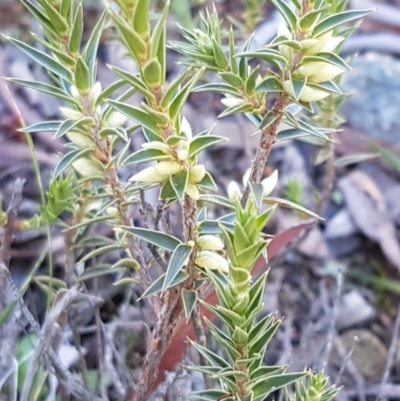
179,183
332,21
189,299
68,159
44,60
273,383
154,237
178,260
200,143
158,285
46,126
135,114
288,15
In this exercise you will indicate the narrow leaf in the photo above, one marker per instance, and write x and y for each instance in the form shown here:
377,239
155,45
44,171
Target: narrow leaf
154,237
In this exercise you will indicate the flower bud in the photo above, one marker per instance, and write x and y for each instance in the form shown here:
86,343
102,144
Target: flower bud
88,167
116,119
112,211
326,74
197,173
211,260
193,192
79,139
231,101
183,154
246,177
95,92
234,193
288,88
270,182
312,95
150,175
71,114
168,167
210,242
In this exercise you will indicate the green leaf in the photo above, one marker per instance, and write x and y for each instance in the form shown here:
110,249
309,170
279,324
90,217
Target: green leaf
189,299
210,356
388,156
45,88
265,371
98,271
208,183
90,52
219,88
158,285
178,260
154,237
211,395
290,205
46,126
100,251
180,99
44,60
270,84
69,125
330,58
269,119
107,92
288,15
273,383
219,56
200,143
135,81
269,55
170,92
145,155
298,86
179,183
82,76
134,43
256,293
356,158
119,132
291,133
141,18
38,14
135,114
251,81
157,41
332,21
57,21
68,159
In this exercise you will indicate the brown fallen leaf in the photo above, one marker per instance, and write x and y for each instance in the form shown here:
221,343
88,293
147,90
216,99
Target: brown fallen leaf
369,211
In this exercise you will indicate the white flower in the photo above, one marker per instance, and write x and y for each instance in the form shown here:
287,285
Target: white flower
210,242
234,193
283,30
213,261
75,93
270,182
